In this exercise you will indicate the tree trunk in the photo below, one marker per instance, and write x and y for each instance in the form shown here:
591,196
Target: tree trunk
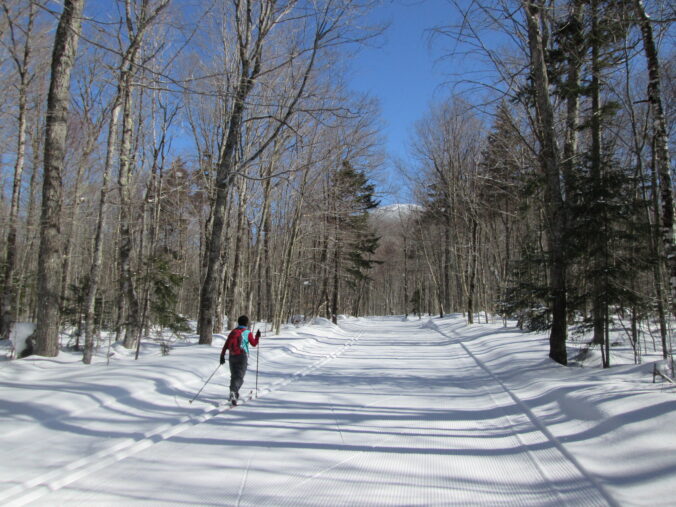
27,298
574,56
267,261
658,268
209,289
73,219
323,264
239,244
97,257
262,233
549,161
127,288
598,240
438,292
261,257
251,41
224,276
446,272
225,176
280,306
472,266
49,258
336,283
205,239
405,259
661,145
8,307
21,57
153,197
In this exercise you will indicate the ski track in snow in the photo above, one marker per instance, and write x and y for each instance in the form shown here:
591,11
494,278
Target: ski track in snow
572,464
45,484
388,413
553,470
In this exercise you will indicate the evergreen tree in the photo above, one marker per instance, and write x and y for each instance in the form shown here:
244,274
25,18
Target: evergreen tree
526,292
595,194
164,283
352,196
608,225
505,193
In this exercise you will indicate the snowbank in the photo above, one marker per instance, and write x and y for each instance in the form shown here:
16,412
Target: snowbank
19,335
371,412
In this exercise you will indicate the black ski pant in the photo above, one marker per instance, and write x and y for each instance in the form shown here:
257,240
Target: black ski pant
238,366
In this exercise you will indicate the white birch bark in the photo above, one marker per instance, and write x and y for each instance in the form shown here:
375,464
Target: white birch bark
661,145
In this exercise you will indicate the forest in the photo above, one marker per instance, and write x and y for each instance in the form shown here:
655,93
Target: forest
167,161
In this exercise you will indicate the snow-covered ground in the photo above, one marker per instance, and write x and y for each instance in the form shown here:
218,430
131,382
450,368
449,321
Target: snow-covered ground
376,412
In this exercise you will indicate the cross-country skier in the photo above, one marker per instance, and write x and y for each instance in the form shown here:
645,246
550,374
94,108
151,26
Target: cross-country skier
238,345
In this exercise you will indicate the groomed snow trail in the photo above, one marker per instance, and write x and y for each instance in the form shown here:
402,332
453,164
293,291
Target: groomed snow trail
397,413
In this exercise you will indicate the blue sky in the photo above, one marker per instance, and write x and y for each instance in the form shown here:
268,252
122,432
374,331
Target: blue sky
402,68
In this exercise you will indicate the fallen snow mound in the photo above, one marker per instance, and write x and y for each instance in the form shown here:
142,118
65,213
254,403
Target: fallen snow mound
20,333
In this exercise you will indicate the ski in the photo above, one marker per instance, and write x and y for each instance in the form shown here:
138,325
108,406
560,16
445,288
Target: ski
235,402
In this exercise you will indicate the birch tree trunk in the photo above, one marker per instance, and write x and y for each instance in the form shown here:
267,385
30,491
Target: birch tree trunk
661,145
127,288
658,269
49,257
95,268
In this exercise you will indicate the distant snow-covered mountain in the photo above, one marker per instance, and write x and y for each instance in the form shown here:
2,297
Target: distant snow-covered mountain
395,212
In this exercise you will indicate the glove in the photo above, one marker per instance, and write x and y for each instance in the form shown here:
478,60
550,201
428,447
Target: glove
258,334
222,360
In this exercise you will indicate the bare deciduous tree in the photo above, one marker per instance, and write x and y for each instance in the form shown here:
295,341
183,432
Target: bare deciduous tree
661,144
20,49
550,163
255,25
50,260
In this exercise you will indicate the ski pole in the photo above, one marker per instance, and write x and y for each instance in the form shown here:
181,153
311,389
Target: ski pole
258,353
198,392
